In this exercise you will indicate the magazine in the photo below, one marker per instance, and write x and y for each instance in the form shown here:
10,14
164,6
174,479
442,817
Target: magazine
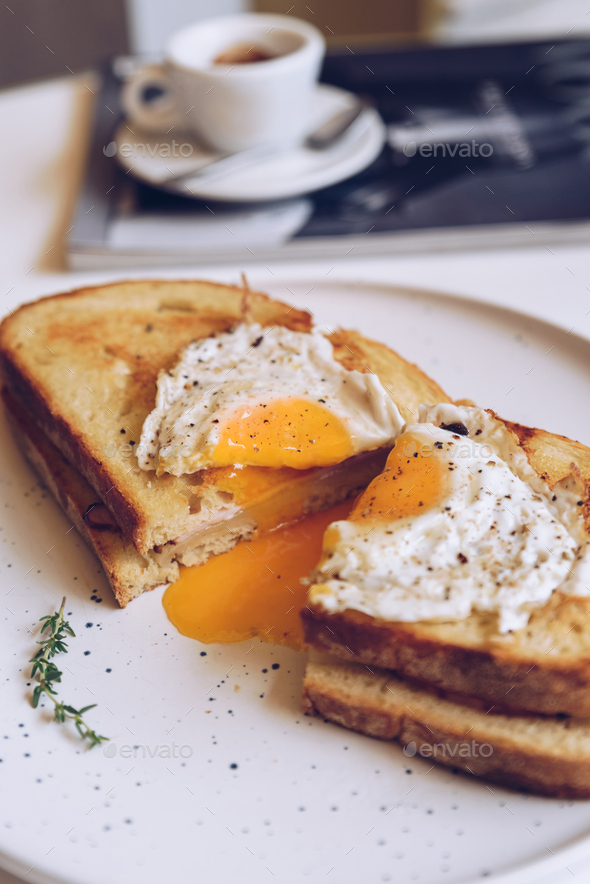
486,146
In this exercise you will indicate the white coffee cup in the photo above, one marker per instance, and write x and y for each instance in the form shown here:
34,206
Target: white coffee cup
231,107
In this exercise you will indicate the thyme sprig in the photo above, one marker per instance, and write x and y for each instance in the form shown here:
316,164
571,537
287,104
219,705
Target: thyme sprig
48,674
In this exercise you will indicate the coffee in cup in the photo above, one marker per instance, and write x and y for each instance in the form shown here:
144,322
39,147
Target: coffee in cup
243,53
234,82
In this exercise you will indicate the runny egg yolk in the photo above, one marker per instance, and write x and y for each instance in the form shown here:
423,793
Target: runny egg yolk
253,591
414,479
288,432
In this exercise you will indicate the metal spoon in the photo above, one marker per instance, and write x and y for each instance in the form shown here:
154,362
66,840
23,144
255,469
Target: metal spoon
322,138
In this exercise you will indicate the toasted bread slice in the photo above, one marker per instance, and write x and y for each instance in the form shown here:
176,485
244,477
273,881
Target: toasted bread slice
542,668
84,365
128,572
545,755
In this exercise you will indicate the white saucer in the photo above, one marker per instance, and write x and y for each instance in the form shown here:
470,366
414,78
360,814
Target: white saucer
292,173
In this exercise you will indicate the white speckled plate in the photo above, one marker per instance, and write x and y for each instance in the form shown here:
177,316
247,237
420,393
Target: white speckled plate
229,782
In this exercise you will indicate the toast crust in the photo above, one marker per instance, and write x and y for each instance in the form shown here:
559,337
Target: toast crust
128,573
546,756
542,668
517,676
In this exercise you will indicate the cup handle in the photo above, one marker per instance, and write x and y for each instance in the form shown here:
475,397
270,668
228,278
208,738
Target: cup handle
148,100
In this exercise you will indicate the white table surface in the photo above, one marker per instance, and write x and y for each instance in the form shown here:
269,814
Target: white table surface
41,157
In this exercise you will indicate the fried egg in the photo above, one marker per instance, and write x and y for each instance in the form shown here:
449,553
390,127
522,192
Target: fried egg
264,397
457,522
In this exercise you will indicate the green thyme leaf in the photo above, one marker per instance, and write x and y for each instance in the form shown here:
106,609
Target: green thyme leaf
48,674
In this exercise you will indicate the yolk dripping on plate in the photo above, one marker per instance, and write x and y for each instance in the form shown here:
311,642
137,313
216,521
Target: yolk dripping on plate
253,591
293,433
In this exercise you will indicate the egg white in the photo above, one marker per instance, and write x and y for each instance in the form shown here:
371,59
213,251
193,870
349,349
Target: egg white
216,377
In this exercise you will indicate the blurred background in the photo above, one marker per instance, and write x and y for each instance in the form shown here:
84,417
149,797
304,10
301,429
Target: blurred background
516,71
86,33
